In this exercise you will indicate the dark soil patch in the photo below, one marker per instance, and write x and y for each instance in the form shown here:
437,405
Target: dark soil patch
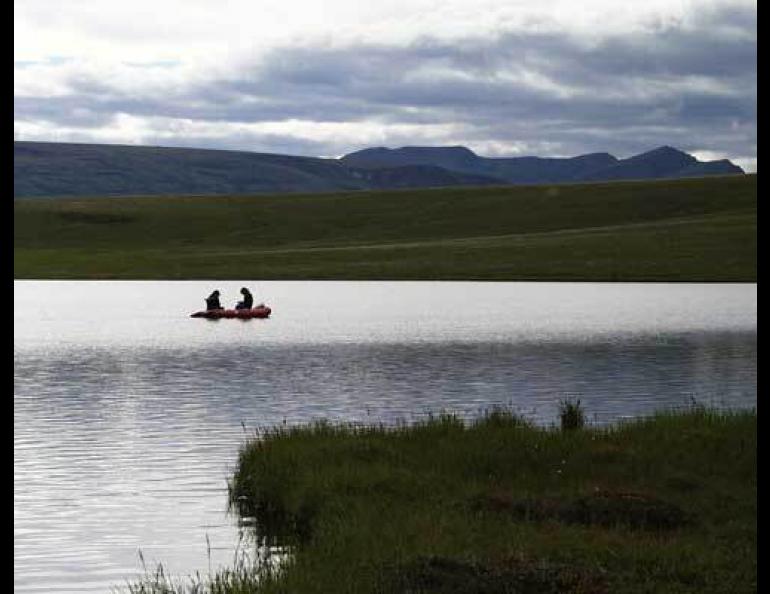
602,508
99,218
441,575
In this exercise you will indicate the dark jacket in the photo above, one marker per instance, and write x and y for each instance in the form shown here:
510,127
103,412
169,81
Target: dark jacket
248,300
212,301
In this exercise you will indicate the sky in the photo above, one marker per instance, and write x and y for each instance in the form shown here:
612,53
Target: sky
551,78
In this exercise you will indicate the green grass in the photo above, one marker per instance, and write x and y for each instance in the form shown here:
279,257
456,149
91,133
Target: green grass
690,230
666,504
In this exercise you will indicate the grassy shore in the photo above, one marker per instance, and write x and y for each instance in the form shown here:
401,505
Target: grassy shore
673,230
666,504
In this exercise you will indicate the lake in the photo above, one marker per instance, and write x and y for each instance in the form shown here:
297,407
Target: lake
128,414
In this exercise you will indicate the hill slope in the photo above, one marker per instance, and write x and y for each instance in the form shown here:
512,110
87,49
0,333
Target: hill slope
694,230
53,169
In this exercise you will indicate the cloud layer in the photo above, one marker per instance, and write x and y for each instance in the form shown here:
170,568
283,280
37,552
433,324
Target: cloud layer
516,89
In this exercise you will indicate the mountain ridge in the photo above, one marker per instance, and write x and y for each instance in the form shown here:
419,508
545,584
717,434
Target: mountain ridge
661,162
47,169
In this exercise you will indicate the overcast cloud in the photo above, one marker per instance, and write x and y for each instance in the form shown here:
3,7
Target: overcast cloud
526,78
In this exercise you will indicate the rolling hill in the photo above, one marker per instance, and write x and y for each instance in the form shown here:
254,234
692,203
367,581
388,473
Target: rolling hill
698,229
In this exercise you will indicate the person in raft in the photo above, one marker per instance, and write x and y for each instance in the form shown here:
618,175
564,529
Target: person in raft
248,300
212,301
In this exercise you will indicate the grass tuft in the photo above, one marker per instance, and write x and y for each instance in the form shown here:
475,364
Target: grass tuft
571,415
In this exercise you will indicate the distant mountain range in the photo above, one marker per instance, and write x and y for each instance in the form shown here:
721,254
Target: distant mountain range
60,169
663,162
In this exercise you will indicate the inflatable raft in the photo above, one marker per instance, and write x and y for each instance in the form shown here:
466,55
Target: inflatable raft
261,311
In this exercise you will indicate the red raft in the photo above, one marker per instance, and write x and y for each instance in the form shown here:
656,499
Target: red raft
261,311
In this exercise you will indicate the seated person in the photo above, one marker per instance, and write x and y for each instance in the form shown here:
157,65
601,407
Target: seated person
212,301
248,300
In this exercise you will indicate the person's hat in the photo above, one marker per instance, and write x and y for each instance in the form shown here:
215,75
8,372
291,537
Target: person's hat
244,290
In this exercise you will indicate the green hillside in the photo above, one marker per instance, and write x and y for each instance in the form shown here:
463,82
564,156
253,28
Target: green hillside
701,229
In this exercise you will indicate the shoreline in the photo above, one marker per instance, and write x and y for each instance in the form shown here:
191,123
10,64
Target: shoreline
655,504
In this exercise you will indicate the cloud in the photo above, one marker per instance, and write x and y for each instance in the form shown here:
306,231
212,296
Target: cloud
689,82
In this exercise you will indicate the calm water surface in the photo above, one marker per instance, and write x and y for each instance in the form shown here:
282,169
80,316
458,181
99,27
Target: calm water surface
128,414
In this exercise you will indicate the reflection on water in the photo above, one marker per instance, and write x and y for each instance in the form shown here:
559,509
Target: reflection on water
197,387
127,423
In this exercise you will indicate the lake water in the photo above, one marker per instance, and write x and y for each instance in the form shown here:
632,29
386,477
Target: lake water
128,414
